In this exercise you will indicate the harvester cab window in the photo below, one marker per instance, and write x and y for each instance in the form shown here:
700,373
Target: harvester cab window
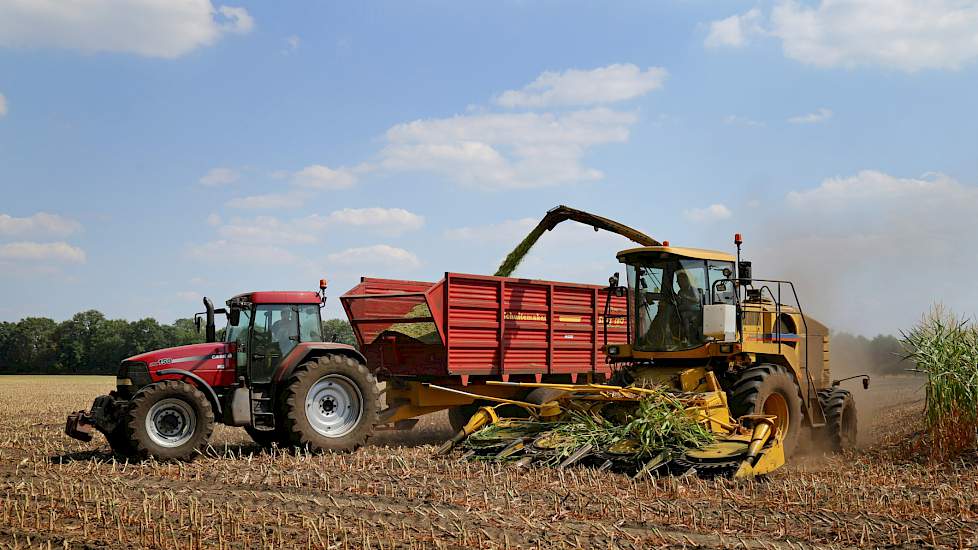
670,293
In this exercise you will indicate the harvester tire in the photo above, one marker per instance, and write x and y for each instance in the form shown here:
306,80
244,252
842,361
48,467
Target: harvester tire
331,404
539,396
840,419
769,389
170,420
459,416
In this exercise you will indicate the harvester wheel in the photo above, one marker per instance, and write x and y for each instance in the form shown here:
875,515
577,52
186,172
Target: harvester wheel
170,420
459,416
331,404
539,396
840,418
770,389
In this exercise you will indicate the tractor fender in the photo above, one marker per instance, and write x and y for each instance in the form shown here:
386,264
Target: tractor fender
306,350
201,385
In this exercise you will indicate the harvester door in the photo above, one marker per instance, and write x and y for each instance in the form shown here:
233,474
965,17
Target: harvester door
273,336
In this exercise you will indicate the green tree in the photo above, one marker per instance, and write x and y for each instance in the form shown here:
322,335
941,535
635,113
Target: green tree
338,330
31,347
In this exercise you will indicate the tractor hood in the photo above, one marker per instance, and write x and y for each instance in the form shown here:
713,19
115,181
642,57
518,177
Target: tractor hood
187,358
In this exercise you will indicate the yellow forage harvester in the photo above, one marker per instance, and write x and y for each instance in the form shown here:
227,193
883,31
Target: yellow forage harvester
721,374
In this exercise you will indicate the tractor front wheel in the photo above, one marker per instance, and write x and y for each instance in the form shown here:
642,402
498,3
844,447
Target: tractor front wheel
264,438
840,419
169,420
771,390
331,404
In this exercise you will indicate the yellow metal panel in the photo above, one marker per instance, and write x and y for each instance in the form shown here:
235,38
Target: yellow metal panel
698,253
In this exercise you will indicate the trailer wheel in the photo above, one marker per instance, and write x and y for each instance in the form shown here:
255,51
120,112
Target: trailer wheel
769,389
331,404
840,419
170,420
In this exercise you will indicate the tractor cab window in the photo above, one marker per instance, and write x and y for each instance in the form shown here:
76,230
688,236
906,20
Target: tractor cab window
310,324
274,334
238,334
669,295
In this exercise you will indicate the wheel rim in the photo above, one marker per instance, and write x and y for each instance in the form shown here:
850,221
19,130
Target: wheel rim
171,422
334,405
777,405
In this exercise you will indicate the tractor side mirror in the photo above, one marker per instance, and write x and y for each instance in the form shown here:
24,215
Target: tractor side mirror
234,316
197,323
620,291
745,272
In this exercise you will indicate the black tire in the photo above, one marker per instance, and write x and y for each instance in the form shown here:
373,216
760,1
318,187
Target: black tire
840,429
355,378
539,396
264,438
120,441
768,387
459,416
174,404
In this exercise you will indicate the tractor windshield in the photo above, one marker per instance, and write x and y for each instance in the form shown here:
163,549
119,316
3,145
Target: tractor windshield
669,294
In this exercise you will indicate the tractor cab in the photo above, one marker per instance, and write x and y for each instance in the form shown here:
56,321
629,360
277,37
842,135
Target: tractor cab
264,327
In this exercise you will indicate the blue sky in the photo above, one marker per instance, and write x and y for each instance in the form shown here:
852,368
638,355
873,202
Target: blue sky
154,151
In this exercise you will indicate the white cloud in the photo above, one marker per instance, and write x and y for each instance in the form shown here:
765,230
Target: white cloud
292,44
390,221
318,176
3,105
153,28
609,84
41,223
30,251
507,231
875,187
376,255
214,220
270,201
500,151
221,251
714,212
820,115
266,230
219,176
906,35
734,31
188,295
737,120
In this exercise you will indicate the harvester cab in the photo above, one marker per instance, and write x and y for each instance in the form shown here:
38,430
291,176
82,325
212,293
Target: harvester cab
270,372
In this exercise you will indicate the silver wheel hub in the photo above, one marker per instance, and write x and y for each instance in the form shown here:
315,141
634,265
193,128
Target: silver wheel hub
334,405
171,422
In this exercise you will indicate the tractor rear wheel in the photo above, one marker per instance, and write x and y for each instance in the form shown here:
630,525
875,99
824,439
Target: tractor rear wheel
840,419
170,420
770,389
330,404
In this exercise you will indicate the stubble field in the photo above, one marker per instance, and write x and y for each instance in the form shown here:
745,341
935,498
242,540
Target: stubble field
59,493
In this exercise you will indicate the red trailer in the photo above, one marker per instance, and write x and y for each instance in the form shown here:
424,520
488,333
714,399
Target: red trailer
467,329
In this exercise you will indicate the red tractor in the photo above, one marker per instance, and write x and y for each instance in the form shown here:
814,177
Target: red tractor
272,373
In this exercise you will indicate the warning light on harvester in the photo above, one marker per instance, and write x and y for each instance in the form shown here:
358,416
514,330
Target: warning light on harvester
322,284
738,240
665,243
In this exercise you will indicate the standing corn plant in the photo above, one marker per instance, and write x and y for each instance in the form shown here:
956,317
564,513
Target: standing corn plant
945,347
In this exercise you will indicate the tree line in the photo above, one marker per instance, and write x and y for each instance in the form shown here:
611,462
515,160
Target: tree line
89,343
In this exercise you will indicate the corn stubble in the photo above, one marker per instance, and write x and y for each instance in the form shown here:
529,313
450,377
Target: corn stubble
58,493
